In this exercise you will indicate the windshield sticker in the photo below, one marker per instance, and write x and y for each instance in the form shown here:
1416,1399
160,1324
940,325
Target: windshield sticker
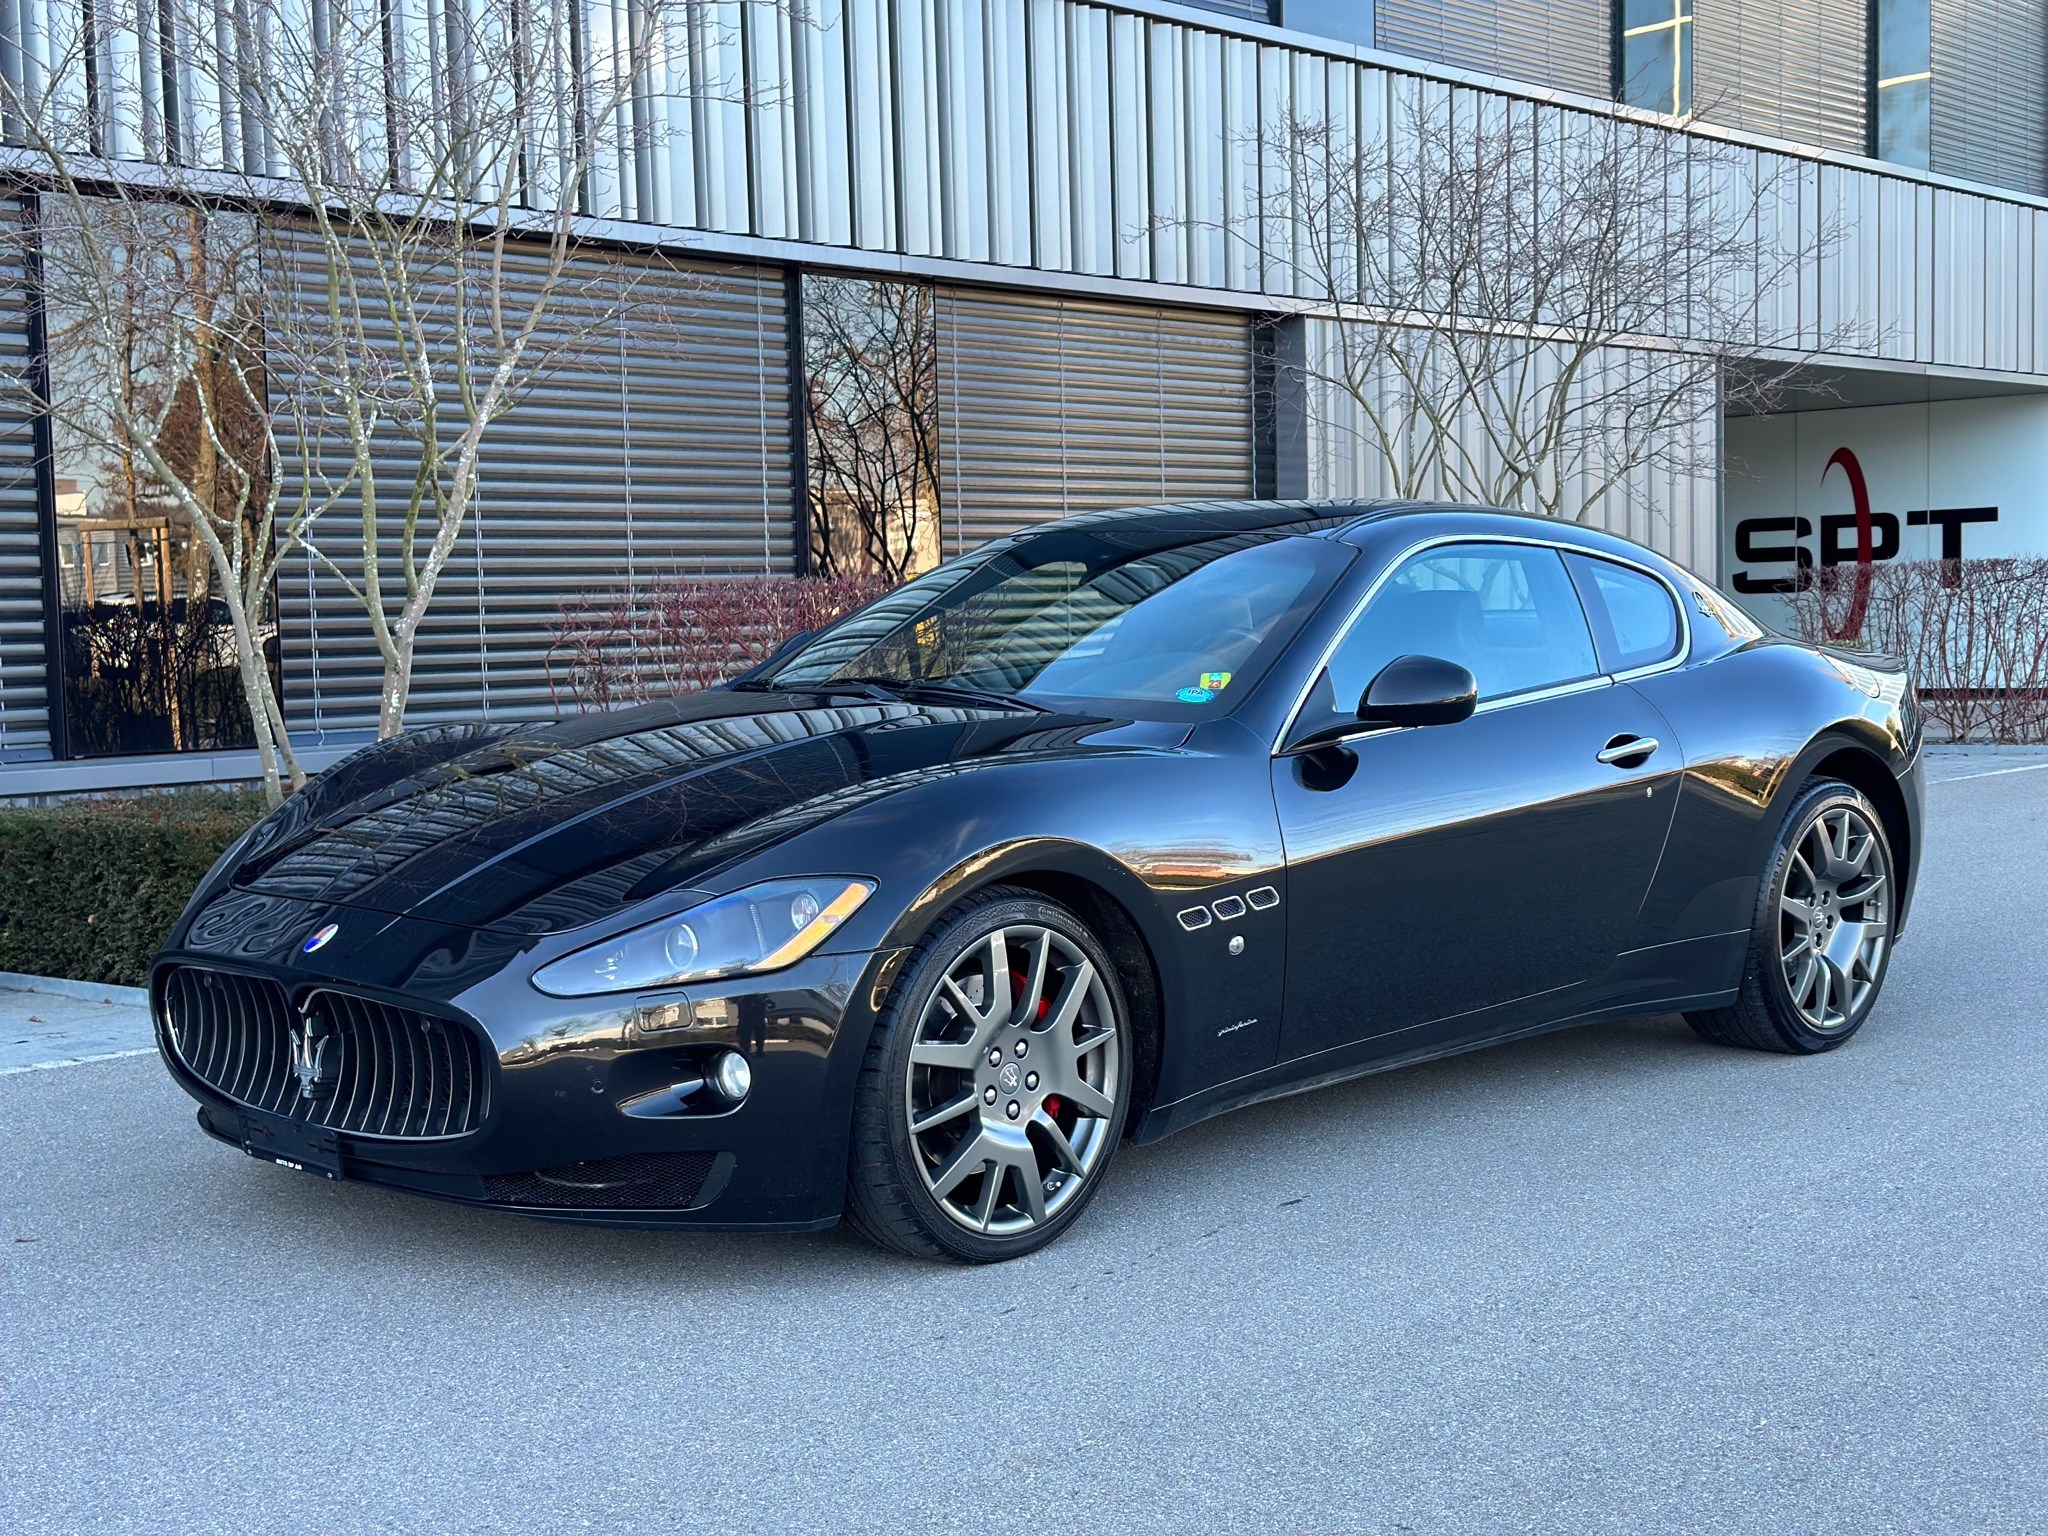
1195,695
1217,681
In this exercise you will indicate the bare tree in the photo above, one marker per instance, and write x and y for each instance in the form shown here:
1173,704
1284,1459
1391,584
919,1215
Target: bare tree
871,421
1527,314
428,190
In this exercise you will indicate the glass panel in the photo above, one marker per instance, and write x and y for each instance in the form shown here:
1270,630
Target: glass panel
1507,613
157,407
1162,632
871,426
1350,20
1903,87
1654,62
1636,621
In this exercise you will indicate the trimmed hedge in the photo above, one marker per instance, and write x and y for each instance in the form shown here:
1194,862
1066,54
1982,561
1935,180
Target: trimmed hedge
89,888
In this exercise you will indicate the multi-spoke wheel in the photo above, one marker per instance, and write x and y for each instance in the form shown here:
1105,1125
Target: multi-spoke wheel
1823,932
995,1091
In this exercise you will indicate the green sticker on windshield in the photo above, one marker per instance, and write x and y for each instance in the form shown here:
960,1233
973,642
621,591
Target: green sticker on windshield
1216,680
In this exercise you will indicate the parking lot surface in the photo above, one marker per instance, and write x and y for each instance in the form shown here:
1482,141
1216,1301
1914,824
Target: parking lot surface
1612,1280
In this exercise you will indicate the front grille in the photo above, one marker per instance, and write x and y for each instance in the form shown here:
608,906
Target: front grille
339,1061
643,1181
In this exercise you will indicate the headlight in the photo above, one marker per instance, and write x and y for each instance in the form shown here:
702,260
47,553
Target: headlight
761,928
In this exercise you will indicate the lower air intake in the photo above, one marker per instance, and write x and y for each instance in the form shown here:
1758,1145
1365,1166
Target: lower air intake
644,1181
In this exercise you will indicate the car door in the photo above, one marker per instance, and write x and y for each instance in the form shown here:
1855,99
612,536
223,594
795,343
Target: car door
1438,875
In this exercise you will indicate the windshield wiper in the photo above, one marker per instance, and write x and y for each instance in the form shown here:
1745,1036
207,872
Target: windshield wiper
891,690
962,693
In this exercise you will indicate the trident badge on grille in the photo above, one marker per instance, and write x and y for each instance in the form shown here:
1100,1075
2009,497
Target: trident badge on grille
310,1042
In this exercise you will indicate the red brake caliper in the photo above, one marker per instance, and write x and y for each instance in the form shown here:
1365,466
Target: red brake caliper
1019,981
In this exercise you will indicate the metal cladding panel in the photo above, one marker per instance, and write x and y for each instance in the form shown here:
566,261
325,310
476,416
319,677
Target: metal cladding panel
1902,311
656,445
1990,61
1960,230
1565,45
1669,501
1794,69
1246,10
24,630
1052,406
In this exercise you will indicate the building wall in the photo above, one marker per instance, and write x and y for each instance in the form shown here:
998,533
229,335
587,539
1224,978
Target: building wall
1568,45
1058,405
1077,139
1788,506
1669,500
1793,69
1990,83
24,663
1111,158
660,445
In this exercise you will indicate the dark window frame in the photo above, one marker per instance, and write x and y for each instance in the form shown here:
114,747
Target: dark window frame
1679,24
1899,71
1581,565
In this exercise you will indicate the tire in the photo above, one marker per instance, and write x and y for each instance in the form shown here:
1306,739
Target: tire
1821,940
966,1156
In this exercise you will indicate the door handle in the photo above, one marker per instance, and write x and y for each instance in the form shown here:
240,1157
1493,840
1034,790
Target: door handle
1627,751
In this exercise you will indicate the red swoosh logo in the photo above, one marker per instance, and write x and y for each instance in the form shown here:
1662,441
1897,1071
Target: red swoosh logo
1859,494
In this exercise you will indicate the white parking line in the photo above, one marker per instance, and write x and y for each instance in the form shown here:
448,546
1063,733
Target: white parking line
75,1061
1991,773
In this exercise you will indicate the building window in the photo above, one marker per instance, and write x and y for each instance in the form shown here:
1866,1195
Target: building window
1902,78
156,406
1653,60
871,426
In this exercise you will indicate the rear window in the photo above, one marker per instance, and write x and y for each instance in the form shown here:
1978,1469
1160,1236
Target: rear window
1635,621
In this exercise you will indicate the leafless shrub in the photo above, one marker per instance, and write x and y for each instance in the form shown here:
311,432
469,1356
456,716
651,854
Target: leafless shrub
677,634
1973,632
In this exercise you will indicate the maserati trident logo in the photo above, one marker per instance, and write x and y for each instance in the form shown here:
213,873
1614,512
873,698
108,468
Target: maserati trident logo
319,938
310,1042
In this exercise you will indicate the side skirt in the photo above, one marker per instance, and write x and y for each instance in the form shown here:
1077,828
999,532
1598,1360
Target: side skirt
1361,1060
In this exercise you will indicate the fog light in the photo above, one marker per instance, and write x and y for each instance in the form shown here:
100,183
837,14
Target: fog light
731,1075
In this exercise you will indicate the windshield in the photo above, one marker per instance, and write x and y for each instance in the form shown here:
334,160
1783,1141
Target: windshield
1085,618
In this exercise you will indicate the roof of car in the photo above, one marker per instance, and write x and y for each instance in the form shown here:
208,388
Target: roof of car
1348,519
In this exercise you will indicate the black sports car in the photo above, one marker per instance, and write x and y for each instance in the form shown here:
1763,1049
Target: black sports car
1100,830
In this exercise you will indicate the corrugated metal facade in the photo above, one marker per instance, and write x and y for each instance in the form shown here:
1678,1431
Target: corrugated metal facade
1050,406
658,445
1566,45
1990,95
1076,138
1794,69
24,675
1084,141
1668,500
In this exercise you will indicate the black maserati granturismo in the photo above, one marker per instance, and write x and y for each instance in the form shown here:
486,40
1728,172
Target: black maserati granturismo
1102,829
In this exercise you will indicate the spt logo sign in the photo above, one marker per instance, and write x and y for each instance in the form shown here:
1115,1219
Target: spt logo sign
1862,535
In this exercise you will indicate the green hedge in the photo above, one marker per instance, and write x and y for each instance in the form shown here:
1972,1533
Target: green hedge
90,888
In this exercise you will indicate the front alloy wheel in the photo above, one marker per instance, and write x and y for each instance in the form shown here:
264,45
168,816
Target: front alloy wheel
995,1090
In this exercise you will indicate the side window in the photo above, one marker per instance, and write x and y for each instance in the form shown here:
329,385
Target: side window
1506,612
1635,622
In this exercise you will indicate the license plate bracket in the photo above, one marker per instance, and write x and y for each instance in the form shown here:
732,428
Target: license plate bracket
293,1144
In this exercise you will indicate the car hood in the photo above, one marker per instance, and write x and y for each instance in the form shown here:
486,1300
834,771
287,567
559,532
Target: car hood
542,828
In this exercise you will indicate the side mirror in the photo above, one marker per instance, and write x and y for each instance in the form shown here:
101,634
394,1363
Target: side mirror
1419,690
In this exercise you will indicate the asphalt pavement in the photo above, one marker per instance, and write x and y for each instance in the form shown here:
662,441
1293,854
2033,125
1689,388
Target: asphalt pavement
1613,1280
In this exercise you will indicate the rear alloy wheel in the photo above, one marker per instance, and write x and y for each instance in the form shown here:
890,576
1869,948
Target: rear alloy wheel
995,1090
1823,934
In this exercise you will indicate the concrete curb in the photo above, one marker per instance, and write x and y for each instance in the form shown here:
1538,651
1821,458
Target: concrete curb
84,991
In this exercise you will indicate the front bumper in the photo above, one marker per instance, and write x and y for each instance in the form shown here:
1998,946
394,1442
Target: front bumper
558,1141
